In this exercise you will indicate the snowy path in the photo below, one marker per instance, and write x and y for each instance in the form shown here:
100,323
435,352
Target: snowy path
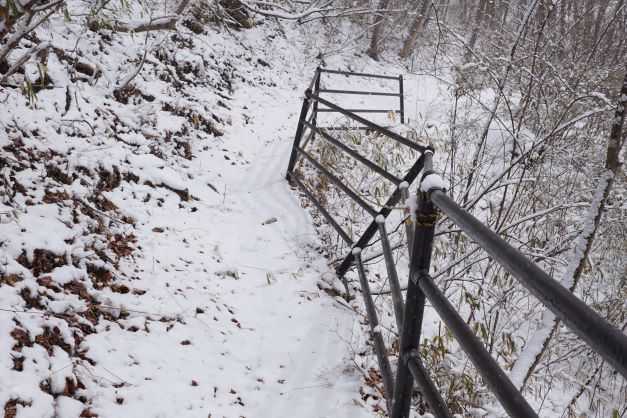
254,337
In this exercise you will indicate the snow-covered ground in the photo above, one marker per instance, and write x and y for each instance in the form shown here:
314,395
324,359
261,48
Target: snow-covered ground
239,274
192,288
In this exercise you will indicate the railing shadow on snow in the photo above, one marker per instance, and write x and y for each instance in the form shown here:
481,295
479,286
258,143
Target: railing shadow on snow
606,340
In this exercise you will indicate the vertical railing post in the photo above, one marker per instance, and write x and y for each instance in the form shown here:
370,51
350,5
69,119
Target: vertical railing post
412,359
299,134
316,91
402,99
426,216
377,338
395,286
409,223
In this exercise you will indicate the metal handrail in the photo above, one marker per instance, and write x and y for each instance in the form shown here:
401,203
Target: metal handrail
606,340
600,335
363,121
361,93
359,110
312,100
377,338
351,73
489,369
427,387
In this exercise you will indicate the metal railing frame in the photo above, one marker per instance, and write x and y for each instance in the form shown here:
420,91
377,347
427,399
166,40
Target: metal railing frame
606,340
309,124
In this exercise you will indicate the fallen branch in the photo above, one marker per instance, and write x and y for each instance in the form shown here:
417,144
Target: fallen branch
80,66
28,27
22,60
124,85
284,15
159,23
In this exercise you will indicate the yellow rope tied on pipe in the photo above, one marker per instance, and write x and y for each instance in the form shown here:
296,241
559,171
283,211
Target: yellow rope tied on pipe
426,219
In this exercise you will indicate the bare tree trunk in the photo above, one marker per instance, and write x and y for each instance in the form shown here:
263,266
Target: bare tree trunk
617,140
490,13
563,15
465,18
600,17
380,15
588,23
446,9
540,14
504,13
619,51
609,52
415,30
476,26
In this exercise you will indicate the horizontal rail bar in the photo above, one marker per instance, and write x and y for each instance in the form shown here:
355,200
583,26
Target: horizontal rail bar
337,182
366,122
351,73
349,128
359,110
493,375
355,154
605,339
364,93
428,390
321,208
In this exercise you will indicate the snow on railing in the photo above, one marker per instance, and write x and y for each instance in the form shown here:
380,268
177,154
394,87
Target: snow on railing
422,213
